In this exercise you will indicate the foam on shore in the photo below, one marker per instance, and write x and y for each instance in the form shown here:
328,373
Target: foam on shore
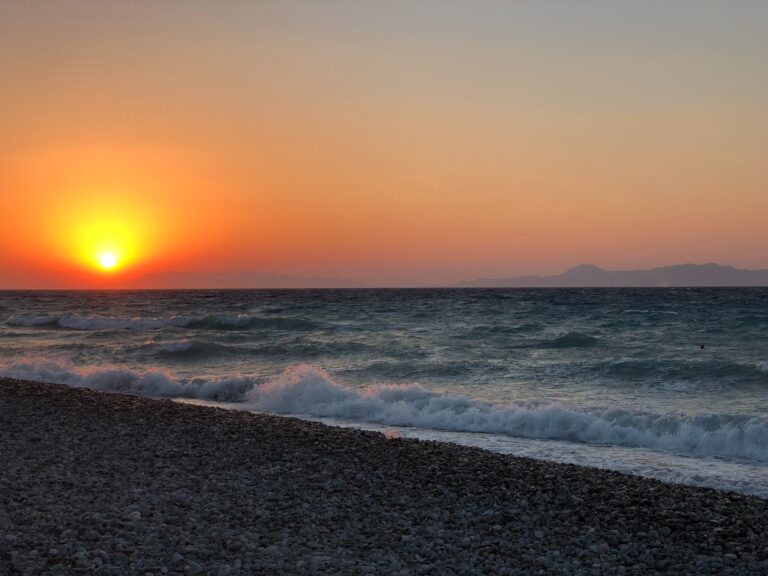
307,390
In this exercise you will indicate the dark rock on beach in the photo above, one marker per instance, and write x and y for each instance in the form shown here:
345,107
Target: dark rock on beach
94,483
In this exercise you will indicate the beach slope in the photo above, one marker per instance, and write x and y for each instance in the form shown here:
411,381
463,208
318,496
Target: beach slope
96,483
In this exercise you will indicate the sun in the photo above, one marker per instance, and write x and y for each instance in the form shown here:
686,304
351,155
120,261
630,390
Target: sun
107,260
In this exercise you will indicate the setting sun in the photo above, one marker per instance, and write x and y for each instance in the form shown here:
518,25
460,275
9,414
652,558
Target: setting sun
107,260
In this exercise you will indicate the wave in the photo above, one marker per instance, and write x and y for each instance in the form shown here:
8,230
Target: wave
412,370
119,379
495,330
29,321
209,321
173,346
78,322
248,322
750,320
673,370
571,340
189,348
297,348
306,390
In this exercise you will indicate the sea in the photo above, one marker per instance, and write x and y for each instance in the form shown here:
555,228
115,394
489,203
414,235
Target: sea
665,383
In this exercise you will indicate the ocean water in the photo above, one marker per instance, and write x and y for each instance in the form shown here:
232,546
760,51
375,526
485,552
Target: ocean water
666,383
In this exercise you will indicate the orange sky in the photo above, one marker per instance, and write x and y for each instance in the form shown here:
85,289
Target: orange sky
386,142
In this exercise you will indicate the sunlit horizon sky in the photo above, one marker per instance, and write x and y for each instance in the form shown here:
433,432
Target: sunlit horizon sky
388,142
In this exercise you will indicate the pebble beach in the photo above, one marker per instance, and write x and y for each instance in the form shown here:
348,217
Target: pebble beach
98,483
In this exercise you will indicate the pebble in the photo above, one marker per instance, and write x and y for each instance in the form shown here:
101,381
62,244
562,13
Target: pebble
111,485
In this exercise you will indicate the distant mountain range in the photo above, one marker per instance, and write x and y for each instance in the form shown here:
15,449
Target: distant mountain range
590,276
584,275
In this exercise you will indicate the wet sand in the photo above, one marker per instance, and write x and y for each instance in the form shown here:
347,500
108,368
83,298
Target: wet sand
95,483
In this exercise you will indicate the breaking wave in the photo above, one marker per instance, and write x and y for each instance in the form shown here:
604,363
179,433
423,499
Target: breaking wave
118,379
306,390
210,321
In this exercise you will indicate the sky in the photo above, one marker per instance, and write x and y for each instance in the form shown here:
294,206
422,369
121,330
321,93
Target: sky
388,142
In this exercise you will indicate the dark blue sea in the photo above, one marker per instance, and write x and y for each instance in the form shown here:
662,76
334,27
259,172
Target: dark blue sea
666,383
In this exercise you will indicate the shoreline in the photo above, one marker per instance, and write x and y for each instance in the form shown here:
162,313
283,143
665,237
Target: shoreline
105,483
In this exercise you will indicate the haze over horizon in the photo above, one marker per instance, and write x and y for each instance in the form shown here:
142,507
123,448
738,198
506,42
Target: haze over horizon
582,275
389,143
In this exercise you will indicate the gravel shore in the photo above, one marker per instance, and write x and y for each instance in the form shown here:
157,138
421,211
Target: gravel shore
94,483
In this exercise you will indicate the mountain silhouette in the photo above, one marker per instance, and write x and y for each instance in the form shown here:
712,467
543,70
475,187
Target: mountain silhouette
591,276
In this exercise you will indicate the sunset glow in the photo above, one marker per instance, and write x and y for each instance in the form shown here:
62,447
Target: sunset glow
106,243
501,139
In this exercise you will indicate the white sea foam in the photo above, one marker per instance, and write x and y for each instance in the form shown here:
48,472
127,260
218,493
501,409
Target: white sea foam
306,390
747,477
27,321
78,322
119,379
209,321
